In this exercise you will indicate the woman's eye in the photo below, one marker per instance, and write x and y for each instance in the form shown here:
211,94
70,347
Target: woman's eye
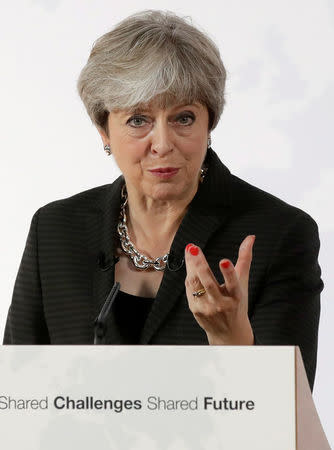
186,119
136,121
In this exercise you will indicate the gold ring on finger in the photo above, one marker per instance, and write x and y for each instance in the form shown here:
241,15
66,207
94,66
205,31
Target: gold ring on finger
199,293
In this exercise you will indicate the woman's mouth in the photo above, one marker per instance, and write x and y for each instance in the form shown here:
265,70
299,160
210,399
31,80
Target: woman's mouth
164,172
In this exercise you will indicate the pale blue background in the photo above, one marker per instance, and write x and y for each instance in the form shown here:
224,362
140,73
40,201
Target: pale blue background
276,131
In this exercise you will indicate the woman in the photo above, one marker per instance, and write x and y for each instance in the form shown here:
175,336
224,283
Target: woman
177,229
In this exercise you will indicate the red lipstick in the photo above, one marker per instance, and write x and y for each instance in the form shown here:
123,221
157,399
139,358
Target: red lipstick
164,172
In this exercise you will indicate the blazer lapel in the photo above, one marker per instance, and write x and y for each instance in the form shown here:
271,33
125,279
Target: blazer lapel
103,232
207,212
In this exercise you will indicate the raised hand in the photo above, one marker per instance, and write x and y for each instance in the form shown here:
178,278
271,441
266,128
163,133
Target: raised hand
221,310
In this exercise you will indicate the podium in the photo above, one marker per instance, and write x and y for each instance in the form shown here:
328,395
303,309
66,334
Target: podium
156,398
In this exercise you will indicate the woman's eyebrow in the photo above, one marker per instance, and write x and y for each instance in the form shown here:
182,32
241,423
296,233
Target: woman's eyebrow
134,111
184,105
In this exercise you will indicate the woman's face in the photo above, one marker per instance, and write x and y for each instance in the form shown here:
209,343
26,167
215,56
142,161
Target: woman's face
152,138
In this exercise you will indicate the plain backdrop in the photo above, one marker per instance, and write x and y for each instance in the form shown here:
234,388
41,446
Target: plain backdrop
276,131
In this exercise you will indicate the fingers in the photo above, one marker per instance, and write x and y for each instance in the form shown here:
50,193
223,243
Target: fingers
244,261
232,283
199,274
223,309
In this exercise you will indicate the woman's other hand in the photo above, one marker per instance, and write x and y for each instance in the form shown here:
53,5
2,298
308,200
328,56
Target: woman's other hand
222,311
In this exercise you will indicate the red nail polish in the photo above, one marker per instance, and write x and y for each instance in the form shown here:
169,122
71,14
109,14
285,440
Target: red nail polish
225,264
194,250
188,247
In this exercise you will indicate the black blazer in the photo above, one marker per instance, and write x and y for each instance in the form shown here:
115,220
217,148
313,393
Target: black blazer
67,268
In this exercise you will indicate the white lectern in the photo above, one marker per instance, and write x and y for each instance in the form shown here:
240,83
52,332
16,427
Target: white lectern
156,398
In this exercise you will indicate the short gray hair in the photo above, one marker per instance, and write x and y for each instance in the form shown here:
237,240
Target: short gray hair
150,55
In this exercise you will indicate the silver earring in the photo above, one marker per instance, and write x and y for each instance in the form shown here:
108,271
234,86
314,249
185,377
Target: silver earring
107,149
204,170
209,142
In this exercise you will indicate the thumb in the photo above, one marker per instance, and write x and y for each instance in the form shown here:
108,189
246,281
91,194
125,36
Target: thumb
245,256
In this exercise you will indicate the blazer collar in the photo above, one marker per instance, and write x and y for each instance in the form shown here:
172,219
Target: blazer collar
206,213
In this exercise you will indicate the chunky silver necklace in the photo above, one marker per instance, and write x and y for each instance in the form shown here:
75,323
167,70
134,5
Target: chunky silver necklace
140,261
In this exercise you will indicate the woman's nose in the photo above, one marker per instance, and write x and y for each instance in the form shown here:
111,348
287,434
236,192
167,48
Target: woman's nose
161,142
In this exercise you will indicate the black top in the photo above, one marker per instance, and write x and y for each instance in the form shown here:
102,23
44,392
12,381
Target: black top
130,315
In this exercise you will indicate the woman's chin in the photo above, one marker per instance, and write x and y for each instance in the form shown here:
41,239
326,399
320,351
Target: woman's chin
170,191
164,191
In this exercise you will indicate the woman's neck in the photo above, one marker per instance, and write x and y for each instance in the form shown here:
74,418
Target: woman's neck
153,224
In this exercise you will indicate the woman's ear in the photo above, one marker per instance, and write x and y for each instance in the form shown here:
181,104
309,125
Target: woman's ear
104,136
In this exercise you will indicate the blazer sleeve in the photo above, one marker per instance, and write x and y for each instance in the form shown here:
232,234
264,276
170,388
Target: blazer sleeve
287,310
25,321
